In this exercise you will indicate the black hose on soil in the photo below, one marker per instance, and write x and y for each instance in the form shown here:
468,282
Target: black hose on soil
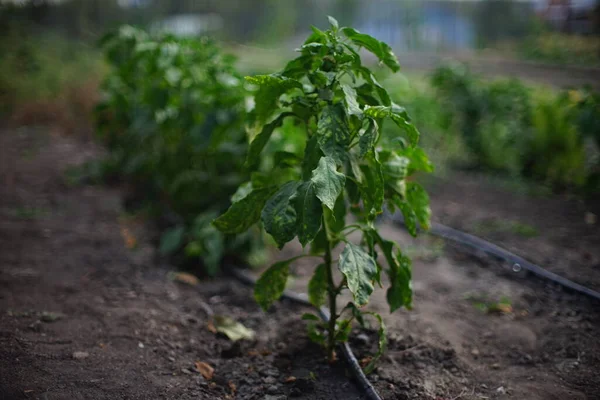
477,243
302,298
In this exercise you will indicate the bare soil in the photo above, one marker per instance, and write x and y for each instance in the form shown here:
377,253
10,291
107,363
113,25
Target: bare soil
86,315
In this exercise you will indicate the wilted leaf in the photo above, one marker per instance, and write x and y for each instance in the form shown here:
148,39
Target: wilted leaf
205,369
184,277
232,329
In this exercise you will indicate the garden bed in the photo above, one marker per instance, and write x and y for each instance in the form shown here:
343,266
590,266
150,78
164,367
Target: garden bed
87,309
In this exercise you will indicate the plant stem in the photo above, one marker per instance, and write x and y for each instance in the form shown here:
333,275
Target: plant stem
331,290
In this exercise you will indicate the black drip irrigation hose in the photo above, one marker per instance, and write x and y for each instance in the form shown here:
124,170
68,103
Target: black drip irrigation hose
302,298
518,262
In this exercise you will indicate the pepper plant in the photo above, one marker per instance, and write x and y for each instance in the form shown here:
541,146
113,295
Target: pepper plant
172,118
342,169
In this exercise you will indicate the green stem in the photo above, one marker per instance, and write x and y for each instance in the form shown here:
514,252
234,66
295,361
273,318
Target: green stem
331,290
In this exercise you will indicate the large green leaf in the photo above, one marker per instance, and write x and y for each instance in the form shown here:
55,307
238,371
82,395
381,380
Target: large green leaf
270,88
399,294
317,286
380,49
309,212
279,214
352,106
360,270
372,188
260,140
366,143
333,132
271,284
244,213
336,219
312,155
328,182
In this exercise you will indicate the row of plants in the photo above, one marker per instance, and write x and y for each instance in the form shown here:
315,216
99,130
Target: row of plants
295,154
506,126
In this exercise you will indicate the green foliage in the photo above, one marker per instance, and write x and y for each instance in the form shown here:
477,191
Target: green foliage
172,117
507,128
318,124
48,70
560,48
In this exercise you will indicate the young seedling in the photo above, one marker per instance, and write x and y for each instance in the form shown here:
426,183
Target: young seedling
307,194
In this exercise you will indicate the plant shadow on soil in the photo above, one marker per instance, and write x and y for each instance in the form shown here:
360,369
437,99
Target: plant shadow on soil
123,330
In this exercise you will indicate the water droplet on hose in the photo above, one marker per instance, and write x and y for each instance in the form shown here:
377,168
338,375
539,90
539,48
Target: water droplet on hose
516,267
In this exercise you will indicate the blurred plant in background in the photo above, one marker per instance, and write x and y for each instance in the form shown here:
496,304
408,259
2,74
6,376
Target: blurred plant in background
172,117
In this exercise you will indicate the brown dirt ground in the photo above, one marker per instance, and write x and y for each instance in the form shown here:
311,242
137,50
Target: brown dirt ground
62,251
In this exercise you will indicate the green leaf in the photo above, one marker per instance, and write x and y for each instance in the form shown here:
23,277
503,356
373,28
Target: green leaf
171,240
381,344
271,284
270,88
333,132
259,142
373,189
244,213
399,117
399,294
418,199
312,155
410,218
357,314
328,182
317,36
394,167
285,159
279,215
360,270
242,191
343,329
320,243
309,317
309,212
380,49
352,106
333,22
317,287
366,143
232,329
418,160
336,219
